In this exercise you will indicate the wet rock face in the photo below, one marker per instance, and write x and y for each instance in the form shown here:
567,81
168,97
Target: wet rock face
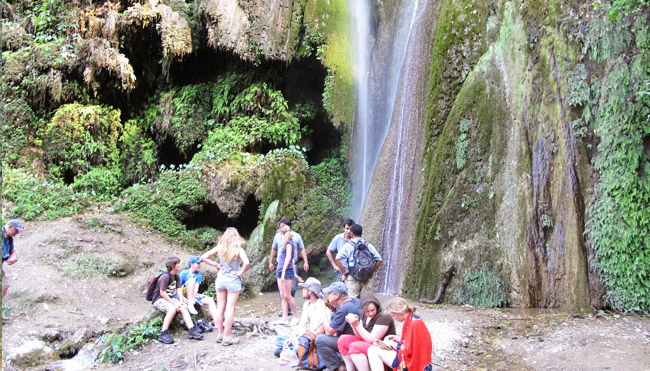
517,201
254,28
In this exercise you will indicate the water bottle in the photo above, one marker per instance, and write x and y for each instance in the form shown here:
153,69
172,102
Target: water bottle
351,262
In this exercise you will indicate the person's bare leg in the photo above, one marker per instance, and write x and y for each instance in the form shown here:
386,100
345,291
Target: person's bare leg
212,307
285,304
349,365
286,297
169,316
360,362
4,290
221,309
230,313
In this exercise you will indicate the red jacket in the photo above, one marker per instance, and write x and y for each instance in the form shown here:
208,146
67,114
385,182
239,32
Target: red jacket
415,351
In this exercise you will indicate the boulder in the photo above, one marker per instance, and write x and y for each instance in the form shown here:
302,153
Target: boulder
32,353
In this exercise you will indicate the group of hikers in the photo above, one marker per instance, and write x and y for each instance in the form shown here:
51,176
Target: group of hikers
346,330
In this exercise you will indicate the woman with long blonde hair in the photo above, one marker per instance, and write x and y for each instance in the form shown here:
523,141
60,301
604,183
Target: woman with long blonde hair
233,263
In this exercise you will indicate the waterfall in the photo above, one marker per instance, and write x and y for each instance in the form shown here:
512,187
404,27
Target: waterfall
388,101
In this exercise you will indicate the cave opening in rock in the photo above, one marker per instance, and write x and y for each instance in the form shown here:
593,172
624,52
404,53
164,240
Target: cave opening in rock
168,153
211,216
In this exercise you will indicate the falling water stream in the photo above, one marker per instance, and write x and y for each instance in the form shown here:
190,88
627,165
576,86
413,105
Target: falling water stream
385,98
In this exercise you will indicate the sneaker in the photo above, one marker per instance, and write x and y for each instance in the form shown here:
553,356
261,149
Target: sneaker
229,341
294,321
194,333
277,352
191,309
204,327
165,338
219,338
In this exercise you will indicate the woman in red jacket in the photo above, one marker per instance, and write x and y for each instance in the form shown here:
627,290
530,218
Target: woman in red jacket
413,351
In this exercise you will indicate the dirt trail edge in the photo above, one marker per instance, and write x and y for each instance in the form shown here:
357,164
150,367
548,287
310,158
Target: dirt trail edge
57,286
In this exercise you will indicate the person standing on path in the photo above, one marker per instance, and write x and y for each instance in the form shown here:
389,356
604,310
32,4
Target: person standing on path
346,256
233,263
337,242
9,255
278,242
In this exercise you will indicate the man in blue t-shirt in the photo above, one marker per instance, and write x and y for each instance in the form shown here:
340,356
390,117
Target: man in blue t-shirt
191,279
9,255
337,242
341,305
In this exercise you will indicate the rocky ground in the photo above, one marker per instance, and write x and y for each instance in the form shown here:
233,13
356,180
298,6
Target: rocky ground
56,292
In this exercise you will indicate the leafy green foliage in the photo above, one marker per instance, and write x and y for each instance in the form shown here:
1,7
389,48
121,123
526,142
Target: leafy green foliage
139,155
622,7
35,197
577,86
174,196
482,288
116,345
101,183
79,137
47,19
620,216
231,110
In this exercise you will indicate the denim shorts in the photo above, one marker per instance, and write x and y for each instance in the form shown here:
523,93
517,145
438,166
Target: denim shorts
288,275
230,286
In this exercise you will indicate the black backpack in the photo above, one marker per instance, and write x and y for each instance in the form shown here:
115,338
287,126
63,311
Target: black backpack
364,264
151,287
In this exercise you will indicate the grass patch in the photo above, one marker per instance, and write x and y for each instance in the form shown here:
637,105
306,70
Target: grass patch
91,265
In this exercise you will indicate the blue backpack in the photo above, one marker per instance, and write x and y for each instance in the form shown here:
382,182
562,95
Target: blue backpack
308,355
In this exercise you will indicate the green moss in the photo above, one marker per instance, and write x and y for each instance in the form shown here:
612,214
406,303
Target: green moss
79,137
328,21
482,288
173,197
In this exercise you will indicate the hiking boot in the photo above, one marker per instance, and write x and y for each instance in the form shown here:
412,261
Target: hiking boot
194,333
229,341
165,338
204,327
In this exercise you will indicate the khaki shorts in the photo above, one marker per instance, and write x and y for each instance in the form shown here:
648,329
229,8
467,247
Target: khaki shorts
163,305
354,287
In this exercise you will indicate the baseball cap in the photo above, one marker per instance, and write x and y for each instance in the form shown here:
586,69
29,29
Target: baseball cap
194,259
313,285
337,288
16,224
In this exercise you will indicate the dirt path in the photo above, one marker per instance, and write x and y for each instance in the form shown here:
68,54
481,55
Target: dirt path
48,293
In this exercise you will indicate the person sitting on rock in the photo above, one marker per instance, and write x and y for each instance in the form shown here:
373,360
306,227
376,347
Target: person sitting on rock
373,325
412,350
341,305
315,314
191,279
163,300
